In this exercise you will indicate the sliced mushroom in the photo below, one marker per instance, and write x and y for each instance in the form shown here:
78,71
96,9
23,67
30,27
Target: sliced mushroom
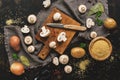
93,34
52,44
62,37
45,32
25,29
57,16
90,23
32,19
46,3
82,8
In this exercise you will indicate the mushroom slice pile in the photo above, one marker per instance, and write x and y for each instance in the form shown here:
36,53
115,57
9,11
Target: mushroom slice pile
62,37
45,32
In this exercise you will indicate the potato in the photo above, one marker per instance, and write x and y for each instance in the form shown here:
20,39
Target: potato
77,52
110,23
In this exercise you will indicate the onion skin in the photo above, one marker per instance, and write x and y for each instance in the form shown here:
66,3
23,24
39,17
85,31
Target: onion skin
17,68
15,43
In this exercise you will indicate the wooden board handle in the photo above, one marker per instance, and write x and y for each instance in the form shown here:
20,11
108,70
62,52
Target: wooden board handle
44,52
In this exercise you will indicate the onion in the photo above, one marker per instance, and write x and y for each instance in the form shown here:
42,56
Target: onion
17,68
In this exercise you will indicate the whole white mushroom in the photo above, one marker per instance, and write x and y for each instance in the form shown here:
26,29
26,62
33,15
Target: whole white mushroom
57,16
68,69
64,59
32,19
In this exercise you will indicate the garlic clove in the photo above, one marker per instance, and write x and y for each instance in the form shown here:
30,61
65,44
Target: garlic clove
25,29
68,69
32,19
46,3
28,40
52,44
57,16
64,59
31,49
45,32
62,37
82,8
93,34
55,61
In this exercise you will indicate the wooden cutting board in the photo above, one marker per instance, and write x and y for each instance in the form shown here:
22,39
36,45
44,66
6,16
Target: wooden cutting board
54,33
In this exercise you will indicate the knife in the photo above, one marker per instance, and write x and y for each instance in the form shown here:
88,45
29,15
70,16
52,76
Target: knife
72,27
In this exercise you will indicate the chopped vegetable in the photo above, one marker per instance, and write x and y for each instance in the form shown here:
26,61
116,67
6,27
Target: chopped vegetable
24,60
82,45
96,8
15,56
99,22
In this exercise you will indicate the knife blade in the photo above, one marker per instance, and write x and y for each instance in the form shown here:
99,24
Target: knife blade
72,27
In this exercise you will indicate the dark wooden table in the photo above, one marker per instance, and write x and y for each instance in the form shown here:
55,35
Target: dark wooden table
101,70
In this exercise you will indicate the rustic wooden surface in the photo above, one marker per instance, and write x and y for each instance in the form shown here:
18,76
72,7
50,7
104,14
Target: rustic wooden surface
54,33
100,70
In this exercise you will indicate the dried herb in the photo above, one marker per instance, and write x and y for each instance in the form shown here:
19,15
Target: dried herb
98,14
82,45
96,8
15,56
25,60
99,22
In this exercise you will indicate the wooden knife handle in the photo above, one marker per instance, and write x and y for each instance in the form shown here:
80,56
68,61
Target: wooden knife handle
75,27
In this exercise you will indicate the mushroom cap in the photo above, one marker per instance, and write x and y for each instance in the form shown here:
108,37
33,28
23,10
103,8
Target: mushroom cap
52,44
55,61
31,48
57,16
68,69
28,40
93,34
64,59
32,19
82,8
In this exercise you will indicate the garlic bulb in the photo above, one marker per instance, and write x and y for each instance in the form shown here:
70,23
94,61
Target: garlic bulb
31,49
68,69
32,19
25,29
90,23
46,3
82,8
55,61
57,16
52,44
62,37
45,32
63,59
28,40
93,34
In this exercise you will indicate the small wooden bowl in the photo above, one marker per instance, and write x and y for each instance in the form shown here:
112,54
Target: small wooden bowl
98,52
